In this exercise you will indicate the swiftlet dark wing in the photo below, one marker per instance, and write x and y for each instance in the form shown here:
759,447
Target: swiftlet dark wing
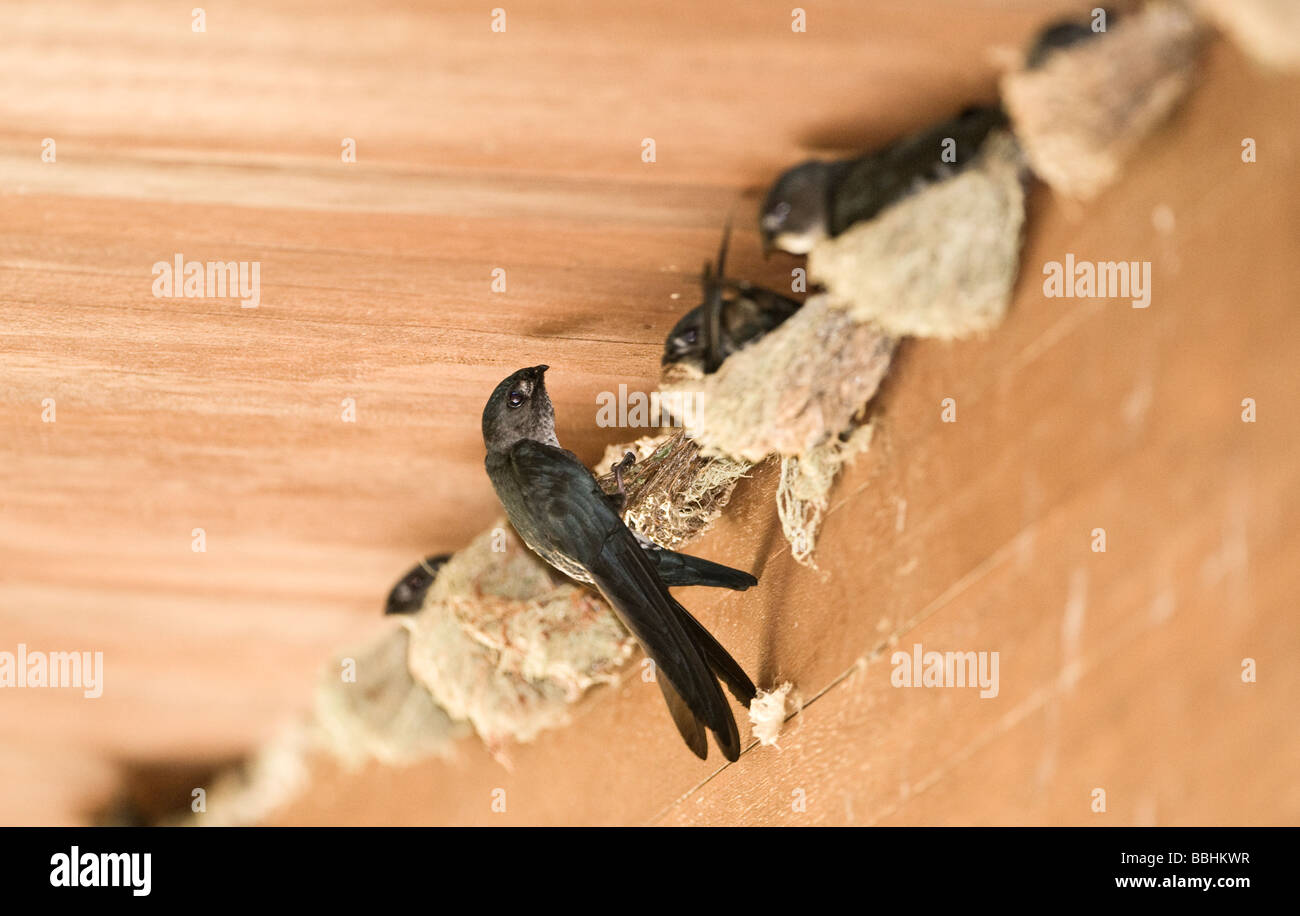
681,569
625,576
571,516
878,180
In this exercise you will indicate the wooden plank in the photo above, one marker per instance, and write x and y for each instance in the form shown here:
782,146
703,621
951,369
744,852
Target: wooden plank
478,151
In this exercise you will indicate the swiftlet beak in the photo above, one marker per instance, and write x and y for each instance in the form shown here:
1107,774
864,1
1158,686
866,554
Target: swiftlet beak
539,371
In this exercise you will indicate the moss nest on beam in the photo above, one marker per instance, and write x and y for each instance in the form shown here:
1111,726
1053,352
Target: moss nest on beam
940,264
369,707
1085,110
674,491
503,645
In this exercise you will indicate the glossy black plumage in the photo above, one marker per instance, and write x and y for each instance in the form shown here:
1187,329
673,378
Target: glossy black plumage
558,509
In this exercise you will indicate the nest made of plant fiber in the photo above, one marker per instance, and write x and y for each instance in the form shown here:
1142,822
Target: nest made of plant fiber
673,491
369,707
940,263
272,777
1084,111
793,389
793,393
803,493
502,644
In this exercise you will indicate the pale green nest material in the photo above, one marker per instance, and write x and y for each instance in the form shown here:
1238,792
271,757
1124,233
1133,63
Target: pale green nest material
1084,112
1267,30
940,263
502,643
369,707
943,262
673,491
382,715
499,644
275,775
793,390
793,393
803,495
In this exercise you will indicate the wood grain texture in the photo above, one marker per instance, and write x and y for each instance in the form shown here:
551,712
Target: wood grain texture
522,151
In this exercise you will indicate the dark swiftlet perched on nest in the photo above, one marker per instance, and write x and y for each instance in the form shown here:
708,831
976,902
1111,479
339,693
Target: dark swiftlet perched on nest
506,645
731,315
557,507
939,262
819,200
942,263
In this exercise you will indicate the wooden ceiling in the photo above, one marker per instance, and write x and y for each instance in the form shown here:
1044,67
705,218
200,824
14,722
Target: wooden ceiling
523,151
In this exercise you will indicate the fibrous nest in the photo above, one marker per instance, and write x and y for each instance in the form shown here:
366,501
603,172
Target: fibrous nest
277,773
369,707
794,389
794,393
943,262
1086,109
674,491
379,714
940,263
503,645
803,494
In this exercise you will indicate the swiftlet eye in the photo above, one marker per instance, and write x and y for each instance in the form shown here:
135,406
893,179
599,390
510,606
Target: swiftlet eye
515,398
691,336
